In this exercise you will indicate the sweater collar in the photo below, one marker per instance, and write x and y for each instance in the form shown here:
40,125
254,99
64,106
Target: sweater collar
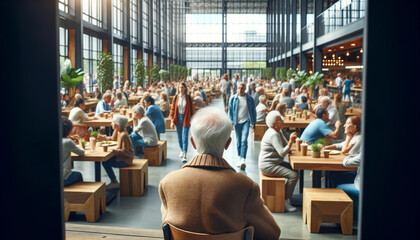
208,161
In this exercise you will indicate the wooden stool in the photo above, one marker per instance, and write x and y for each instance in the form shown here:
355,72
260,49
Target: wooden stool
273,192
327,205
259,131
134,179
157,154
87,197
168,124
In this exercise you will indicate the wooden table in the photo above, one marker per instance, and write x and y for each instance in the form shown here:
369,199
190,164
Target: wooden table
333,163
271,95
91,103
134,99
96,156
103,122
355,112
298,123
65,111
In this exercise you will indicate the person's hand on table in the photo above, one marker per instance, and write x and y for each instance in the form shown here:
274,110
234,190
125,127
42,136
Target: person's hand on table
75,138
330,147
101,138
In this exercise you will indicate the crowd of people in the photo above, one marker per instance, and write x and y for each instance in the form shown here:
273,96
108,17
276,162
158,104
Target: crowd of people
236,203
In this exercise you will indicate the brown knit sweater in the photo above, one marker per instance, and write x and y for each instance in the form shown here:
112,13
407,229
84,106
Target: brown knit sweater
125,151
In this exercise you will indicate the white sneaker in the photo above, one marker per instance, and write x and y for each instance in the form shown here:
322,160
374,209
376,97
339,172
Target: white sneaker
289,207
184,159
113,185
181,154
243,165
238,163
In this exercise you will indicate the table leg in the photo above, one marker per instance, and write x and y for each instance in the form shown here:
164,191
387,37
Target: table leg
327,179
316,179
97,171
301,180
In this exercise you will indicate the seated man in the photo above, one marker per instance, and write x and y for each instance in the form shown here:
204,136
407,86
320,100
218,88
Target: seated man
318,128
77,114
104,104
207,195
290,102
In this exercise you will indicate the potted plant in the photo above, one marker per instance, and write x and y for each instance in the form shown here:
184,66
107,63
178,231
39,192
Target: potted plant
313,81
316,150
83,143
70,77
301,78
164,75
154,73
105,72
320,142
290,73
140,72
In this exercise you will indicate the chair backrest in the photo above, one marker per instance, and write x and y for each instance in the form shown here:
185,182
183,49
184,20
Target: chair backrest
171,232
79,129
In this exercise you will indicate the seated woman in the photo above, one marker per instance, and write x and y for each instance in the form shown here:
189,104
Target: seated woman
274,148
263,109
155,114
198,100
69,146
304,104
282,108
144,132
352,143
77,114
163,104
124,154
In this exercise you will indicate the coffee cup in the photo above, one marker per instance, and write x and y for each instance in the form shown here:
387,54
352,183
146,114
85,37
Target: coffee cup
294,118
105,147
106,115
298,143
92,143
351,110
124,111
307,116
326,153
130,114
101,114
304,147
290,117
294,110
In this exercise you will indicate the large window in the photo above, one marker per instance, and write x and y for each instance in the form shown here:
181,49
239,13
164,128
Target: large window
246,27
134,18
204,28
92,48
146,23
155,26
92,12
133,62
64,44
63,5
117,54
118,17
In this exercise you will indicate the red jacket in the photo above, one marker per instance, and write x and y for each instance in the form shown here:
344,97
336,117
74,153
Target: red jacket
189,111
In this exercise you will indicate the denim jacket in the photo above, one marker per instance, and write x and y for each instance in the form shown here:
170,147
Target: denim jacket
233,109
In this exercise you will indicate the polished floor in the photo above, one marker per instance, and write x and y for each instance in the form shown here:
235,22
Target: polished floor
144,212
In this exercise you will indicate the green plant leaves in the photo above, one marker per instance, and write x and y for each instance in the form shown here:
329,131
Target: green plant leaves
105,71
140,72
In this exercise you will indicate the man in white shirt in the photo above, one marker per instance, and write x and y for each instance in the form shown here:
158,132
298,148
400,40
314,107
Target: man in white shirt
332,111
77,114
338,80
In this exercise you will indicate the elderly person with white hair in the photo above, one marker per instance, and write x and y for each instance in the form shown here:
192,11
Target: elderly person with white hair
144,132
104,104
121,100
124,154
259,92
333,115
262,109
198,100
228,201
274,149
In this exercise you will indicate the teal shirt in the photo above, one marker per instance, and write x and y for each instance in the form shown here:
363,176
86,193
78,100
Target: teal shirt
315,130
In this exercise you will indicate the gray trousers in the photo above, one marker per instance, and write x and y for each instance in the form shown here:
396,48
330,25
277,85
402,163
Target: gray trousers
226,97
283,170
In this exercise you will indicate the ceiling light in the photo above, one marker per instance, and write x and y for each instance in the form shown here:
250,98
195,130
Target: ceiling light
341,46
353,44
361,50
347,54
329,50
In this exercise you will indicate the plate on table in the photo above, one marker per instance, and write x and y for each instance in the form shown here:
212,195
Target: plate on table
109,143
334,152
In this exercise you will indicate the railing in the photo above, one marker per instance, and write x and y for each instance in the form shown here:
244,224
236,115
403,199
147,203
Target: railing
307,33
340,14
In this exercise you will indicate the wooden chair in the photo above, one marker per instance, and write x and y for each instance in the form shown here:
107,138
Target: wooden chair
273,192
87,197
329,205
157,154
134,178
259,131
171,232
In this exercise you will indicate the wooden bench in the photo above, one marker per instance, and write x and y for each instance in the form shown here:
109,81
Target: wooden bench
87,197
134,179
259,131
329,205
168,123
157,154
273,192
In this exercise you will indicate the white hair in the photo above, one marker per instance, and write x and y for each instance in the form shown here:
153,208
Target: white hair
210,129
121,121
139,109
259,88
271,118
107,95
325,99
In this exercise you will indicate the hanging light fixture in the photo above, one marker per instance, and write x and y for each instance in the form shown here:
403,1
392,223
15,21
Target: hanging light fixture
361,50
347,54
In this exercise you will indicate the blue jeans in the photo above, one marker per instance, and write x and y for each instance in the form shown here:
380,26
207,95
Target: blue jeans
182,133
112,162
137,141
73,178
345,181
242,131
349,97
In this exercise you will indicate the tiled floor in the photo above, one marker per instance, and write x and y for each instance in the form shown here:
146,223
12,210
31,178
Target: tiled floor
144,212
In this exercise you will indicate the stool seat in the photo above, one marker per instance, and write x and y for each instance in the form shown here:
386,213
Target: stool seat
273,190
329,205
134,178
156,155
